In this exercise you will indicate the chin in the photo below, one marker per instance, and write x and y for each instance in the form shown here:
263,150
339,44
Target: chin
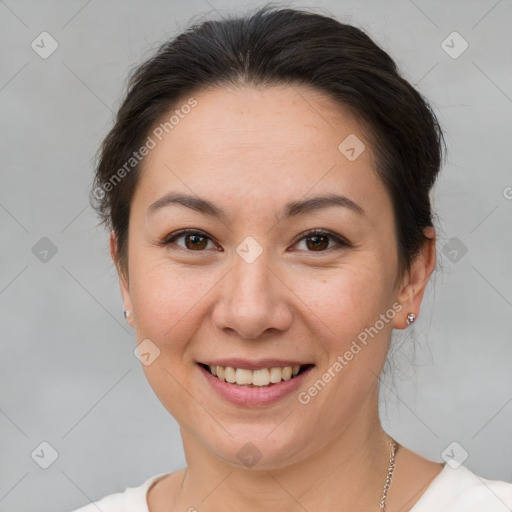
258,446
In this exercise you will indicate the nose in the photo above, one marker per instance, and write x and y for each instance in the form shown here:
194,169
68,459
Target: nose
253,300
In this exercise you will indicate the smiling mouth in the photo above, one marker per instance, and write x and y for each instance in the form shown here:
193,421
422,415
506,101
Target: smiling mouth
263,377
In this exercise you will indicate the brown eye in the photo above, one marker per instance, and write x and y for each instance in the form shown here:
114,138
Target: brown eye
318,241
193,240
315,240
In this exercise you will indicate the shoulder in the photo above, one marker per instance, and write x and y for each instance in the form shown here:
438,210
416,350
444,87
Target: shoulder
131,499
461,490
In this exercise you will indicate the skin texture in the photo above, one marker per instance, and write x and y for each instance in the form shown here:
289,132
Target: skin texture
250,151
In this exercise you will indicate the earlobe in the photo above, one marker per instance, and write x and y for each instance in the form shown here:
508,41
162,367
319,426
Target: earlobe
416,280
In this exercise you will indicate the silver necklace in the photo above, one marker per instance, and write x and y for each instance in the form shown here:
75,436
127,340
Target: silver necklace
394,449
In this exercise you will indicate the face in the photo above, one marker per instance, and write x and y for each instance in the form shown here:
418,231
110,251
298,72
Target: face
250,288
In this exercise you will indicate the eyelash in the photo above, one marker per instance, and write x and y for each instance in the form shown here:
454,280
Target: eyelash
310,233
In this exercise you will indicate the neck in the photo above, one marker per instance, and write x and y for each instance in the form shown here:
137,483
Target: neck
347,473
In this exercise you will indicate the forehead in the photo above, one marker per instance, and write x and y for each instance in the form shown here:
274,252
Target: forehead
258,144
286,120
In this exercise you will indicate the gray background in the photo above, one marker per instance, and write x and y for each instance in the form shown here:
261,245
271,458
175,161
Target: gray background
68,373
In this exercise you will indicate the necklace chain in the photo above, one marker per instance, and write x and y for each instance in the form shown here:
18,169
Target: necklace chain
394,449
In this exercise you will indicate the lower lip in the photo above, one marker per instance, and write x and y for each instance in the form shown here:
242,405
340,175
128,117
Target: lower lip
254,396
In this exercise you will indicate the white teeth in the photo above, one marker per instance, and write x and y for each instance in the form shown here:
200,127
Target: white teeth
261,377
243,376
275,375
286,373
230,374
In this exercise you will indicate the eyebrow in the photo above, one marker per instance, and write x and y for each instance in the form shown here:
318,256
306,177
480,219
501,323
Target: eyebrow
291,209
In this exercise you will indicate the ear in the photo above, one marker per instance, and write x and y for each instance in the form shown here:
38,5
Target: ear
415,281
123,282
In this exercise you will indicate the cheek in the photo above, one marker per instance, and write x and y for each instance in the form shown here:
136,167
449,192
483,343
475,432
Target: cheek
347,300
165,302
354,332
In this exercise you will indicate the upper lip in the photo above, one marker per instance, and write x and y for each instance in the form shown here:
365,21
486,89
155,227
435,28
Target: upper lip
254,364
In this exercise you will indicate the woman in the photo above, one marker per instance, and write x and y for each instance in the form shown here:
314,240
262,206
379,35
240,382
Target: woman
267,185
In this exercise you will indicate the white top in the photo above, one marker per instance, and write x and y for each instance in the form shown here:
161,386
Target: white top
452,490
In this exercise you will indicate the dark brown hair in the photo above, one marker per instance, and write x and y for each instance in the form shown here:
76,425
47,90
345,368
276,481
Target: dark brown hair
281,46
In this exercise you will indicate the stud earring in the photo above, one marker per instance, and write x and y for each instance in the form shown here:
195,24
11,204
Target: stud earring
126,314
410,318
